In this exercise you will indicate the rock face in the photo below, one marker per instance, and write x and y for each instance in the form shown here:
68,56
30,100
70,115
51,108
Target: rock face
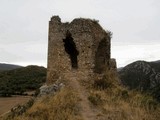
113,64
50,89
141,75
81,46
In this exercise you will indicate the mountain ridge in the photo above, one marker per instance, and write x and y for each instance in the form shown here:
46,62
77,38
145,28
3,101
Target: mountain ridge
5,66
143,76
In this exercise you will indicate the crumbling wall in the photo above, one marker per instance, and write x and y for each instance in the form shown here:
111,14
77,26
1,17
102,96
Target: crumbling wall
79,46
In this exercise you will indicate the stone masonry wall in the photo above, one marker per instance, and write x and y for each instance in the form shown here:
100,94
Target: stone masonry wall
79,46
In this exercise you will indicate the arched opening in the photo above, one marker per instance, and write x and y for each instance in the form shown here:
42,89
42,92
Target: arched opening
102,57
70,48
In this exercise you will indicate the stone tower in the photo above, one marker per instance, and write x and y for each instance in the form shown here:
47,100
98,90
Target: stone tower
81,46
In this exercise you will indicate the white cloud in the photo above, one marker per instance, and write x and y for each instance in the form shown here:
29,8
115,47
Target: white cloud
25,23
126,54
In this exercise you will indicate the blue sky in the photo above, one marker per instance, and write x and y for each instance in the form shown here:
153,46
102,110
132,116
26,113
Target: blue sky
24,27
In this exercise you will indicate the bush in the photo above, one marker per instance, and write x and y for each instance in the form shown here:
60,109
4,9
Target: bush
102,84
124,94
95,99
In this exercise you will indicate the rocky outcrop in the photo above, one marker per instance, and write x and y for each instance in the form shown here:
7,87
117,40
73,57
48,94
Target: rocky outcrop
143,76
50,89
113,64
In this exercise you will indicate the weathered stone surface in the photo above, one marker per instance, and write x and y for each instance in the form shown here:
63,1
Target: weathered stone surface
81,46
113,64
50,89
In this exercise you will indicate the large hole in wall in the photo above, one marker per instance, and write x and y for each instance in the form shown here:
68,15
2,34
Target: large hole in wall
70,48
101,57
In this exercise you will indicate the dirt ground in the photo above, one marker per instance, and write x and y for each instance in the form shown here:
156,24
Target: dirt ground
6,103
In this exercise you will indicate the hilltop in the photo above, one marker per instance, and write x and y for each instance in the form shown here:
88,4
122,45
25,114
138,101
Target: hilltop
100,99
4,66
82,81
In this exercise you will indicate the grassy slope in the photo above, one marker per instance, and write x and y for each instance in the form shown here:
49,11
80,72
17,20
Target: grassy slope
7,103
113,102
63,106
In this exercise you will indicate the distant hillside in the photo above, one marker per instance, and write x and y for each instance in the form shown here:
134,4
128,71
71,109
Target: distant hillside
157,61
22,79
119,69
143,76
4,66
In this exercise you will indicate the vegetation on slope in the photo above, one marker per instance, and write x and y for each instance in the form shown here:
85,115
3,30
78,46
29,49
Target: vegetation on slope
112,101
119,103
20,80
143,76
62,106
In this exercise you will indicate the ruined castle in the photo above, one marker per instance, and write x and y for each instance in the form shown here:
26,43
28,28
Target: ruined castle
81,46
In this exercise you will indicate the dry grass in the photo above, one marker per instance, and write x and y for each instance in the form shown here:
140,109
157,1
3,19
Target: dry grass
6,103
117,103
118,108
112,101
62,106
